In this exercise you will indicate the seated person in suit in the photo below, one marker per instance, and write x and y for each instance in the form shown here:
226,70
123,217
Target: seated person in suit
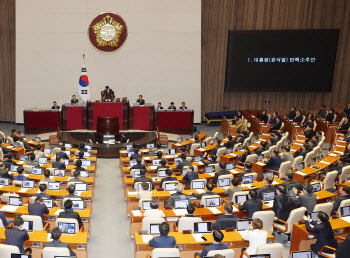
55,106
32,161
196,140
162,165
247,169
135,155
218,146
81,155
226,220
255,235
341,162
4,149
58,164
143,178
138,165
71,191
56,234
208,160
241,137
123,138
221,172
287,155
239,124
277,126
159,106
261,149
269,143
344,195
38,208
230,143
273,119
263,117
154,212
218,236
69,213
243,157
62,153
183,162
304,150
9,161
306,198
268,187
144,193
289,183
183,150
190,175
308,122
231,190
82,147
20,176
14,135
274,162
163,241
330,116
74,100
78,164
168,177
292,113
47,177
252,205
209,191
39,153
17,235
4,171
177,196
183,106
172,106
298,118
190,210
322,112
343,249
107,94
312,145
141,101
42,188
76,178
309,132
282,204
345,126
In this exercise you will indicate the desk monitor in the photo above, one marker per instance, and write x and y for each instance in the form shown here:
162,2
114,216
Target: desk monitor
155,162
316,187
4,181
179,140
137,173
152,153
247,180
229,166
268,196
13,168
87,154
56,186
154,229
222,182
47,151
28,184
37,139
21,255
197,158
139,187
67,228
84,174
37,171
184,171
259,256
228,151
4,141
42,160
48,203
59,172
240,198
345,211
78,205
170,186
268,174
202,227
150,146
130,153
146,205
15,144
23,158
81,187
68,145
177,161
209,169
198,185
129,147
161,173
180,204
172,151
212,202
203,144
132,163
302,254
15,201
85,163
28,225
243,224
68,152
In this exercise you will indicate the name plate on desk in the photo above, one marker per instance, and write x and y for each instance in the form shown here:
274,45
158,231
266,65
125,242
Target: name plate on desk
187,232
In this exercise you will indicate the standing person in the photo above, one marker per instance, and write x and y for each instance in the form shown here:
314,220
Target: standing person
74,100
282,204
55,106
255,235
107,94
140,100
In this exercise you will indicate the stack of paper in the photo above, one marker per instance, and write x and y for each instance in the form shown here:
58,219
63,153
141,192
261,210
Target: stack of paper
23,190
247,185
20,162
261,163
172,192
214,210
269,203
325,162
177,144
200,163
49,237
146,238
301,173
347,219
153,167
201,149
198,237
274,183
332,154
200,191
146,158
136,213
132,193
234,208
9,208
30,141
180,212
234,171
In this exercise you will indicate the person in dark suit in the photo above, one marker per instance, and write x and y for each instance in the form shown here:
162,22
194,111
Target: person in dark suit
138,165
218,236
277,126
196,140
209,160
344,195
347,110
172,106
304,150
4,149
143,178
55,106
306,198
71,191
58,164
252,205
78,165
123,138
330,116
309,132
135,155
76,178
82,147
322,112
42,194
292,114
190,210
343,249
9,161
62,153
298,118
159,106
308,122
38,208
268,187
32,161
183,162
162,165
341,162
81,155
69,213
241,137
324,233
17,235
290,183
56,234
247,169
273,119
108,94
190,175
141,101
163,241
20,176
230,191
177,196
227,220
345,126
4,171
230,143
183,106
74,100
168,177
221,172
275,161
261,149
282,204
243,157
209,191
14,135
263,117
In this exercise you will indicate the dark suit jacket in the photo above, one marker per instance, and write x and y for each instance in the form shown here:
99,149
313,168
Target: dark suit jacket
251,206
8,163
141,101
330,117
4,150
230,144
170,107
298,119
163,242
5,174
62,154
292,115
58,243
183,163
277,126
345,126
199,196
339,167
303,153
138,166
143,179
338,200
135,156
225,221
325,235
308,201
259,151
166,179
289,184
43,195
309,134
74,101
14,137
274,162
108,95
58,165
344,249
189,177
247,171
264,118
265,189
16,237
38,210
282,206
213,246
273,121
161,167
219,173
73,215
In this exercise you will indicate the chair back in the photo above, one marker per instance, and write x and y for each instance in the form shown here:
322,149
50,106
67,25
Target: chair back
37,221
55,150
220,152
7,250
20,144
245,143
9,140
52,252
282,125
343,204
227,253
208,140
239,193
1,224
68,220
329,181
267,218
136,186
255,175
143,200
230,176
205,197
335,117
193,147
27,168
294,216
235,148
279,145
307,160
17,182
215,135
302,121
275,250
189,159
2,135
252,158
216,166
170,182
187,223
199,180
284,168
165,252
6,196
325,207
147,221
345,170
296,162
1,155
266,154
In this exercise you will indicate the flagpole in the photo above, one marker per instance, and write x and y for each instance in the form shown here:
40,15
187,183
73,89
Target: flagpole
84,63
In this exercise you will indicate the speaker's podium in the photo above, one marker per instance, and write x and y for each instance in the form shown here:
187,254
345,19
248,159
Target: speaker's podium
107,129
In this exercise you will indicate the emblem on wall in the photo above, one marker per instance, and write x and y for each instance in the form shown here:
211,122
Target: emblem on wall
108,32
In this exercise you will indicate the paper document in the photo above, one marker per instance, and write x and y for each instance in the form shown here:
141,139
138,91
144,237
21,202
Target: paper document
265,134
257,142
234,208
261,163
177,144
180,212
146,158
211,174
298,144
347,219
20,162
301,173
198,237
234,171
146,238
30,141
201,149
232,155
132,193
332,154
200,191
58,211
253,147
136,213
23,190
247,185
49,237
172,219
1,186
274,183
325,162
200,163
9,208
153,167
214,210
340,152
269,203
172,192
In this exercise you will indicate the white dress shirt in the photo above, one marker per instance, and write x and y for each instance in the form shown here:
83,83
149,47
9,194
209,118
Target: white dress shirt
256,238
144,195
154,213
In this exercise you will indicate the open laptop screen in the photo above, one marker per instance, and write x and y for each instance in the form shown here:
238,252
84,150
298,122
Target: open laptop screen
268,196
177,161
155,162
150,146
146,205
209,169
84,174
180,204
13,168
15,201
202,227
154,229
37,171
222,182
212,202
316,187
23,158
28,184
247,179
170,186
59,172
198,185
302,254
47,151
21,255
197,158
86,163
242,224
172,151
48,203
241,198
229,166
4,181
268,174
42,160
80,187
78,205
54,186
161,173
67,228
28,225
345,211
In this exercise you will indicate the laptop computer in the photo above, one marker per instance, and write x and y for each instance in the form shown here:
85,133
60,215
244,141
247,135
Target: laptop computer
4,141
84,174
212,202
42,160
161,173
228,151
28,184
302,254
222,182
268,196
37,139
202,227
177,161
68,145
152,153
243,224
198,185
229,166
48,203
56,186
13,168
203,144
180,204
129,147
345,211
316,187
137,173
21,255
68,152
81,187
172,151
28,225
179,140
87,154
170,186
154,229
268,174
197,158
130,153
15,144
23,158
247,180
78,205
240,198
59,173
85,163
47,151
150,146
209,169
67,228
146,205
132,163
15,201
4,181
155,162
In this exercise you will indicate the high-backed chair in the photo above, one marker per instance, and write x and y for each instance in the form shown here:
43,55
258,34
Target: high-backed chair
2,135
205,197
1,155
6,196
275,250
165,252
52,252
235,148
230,176
220,152
227,253
296,162
208,140
147,221
325,207
267,218
252,158
215,135
239,193
55,150
343,204
27,168
17,182
193,147
9,140
284,168
66,220
266,154
7,250
189,159
255,175
307,159
37,222
329,180
187,223
344,171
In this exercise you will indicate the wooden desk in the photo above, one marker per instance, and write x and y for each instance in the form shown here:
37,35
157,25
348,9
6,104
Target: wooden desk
226,128
74,117
201,136
177,122
141,117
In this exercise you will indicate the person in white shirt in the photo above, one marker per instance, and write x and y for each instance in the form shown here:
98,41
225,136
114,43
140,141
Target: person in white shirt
144,194
154,212
255,235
